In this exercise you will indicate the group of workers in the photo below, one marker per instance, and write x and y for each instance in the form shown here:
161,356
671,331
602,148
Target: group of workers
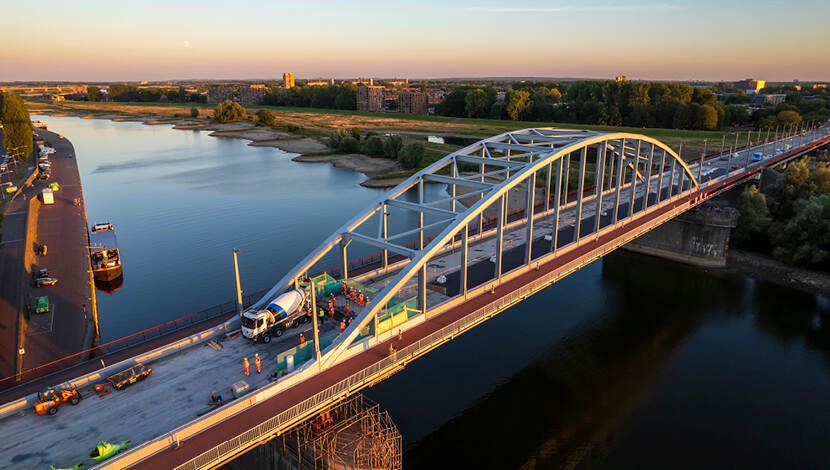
247,365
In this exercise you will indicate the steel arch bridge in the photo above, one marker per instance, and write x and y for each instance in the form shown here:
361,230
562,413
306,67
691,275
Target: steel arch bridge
555,172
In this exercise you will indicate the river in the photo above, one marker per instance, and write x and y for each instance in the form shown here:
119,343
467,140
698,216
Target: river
632,362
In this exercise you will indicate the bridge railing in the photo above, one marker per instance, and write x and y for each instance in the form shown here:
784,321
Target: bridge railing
101,351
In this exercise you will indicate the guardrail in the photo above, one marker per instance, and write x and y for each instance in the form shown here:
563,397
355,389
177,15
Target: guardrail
120,344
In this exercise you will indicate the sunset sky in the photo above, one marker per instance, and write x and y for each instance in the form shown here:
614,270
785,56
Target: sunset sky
156,40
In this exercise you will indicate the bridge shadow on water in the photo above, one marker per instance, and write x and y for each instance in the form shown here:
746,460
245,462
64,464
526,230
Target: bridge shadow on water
566,408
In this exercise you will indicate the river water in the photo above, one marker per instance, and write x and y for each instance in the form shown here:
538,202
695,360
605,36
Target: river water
632,362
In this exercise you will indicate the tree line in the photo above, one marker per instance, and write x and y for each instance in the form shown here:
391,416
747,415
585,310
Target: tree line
337,96
792,221
17,126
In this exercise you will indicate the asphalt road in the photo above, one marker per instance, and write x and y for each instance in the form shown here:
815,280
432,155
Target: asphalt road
11,270
61,226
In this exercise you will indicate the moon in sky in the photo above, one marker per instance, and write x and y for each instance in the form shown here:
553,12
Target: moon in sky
187,44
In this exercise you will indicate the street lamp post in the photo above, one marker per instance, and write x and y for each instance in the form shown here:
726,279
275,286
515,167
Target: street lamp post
238,285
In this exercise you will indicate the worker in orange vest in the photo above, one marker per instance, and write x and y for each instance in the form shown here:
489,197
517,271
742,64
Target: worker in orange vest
257,363
343,286
366,302
347,309
333,300
360,299
342,326
331,311
247,366
302,339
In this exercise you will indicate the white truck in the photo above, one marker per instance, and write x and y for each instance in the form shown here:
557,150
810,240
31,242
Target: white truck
46,196
284,312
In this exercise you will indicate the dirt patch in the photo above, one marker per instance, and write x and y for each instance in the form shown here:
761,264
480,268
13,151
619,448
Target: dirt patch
305,145
361,163
382,183
255,134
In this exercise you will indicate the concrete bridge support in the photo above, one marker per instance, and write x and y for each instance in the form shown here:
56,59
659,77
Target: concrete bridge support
699,237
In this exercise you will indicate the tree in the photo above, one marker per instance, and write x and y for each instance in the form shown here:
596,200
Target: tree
265,117
754,220
374,146
17,127
805,238
229,111
392,146
411,155
518,102
349,144
194,112
706,117
476,104
93,93
787,119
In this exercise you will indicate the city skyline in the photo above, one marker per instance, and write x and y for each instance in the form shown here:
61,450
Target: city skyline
678,40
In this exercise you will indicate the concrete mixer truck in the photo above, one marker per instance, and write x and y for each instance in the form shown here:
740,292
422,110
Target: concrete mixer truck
284,312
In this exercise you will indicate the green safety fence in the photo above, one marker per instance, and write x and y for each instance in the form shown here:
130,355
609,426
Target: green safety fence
304,352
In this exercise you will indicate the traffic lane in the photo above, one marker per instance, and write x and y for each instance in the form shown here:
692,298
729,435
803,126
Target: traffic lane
61,226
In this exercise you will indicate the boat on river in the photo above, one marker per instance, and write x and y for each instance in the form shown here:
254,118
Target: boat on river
103,252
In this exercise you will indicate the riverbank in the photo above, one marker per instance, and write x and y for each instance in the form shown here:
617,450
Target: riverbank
768,269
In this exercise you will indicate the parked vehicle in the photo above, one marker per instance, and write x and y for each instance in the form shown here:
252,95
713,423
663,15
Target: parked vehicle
49,399
47,196
756,157
42,305
130,376
283,312
45,281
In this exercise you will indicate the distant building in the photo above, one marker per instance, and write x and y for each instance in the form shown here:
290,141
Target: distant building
79,89
218,93
288,80
363,81
252,94
369,98
773,100
750,85
398,82
620,78
320,82
413,102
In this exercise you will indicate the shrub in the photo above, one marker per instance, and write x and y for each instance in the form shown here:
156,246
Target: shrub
374,146
349,144
194,112
266,118
228,111
355,132
392,146
335,138
411,155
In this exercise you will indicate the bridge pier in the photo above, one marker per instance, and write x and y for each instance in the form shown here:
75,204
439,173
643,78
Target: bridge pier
699,237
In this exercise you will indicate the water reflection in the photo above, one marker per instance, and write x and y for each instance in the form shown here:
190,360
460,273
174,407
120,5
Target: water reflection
570,407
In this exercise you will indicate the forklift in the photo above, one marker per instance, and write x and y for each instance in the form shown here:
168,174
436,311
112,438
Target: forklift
49,399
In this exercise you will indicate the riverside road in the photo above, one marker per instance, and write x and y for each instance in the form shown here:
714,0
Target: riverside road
68,328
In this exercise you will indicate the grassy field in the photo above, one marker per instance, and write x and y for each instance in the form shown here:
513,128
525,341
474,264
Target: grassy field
323,121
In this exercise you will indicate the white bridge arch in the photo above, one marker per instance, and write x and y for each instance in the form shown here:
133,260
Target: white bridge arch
635,173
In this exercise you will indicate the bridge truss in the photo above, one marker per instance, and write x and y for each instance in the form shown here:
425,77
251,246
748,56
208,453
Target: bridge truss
555,174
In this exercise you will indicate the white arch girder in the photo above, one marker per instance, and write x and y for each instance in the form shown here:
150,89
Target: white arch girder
544,146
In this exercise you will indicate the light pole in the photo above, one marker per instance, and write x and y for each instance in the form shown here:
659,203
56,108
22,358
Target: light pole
238,285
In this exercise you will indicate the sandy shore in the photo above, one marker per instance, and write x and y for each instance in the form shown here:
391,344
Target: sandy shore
361,163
